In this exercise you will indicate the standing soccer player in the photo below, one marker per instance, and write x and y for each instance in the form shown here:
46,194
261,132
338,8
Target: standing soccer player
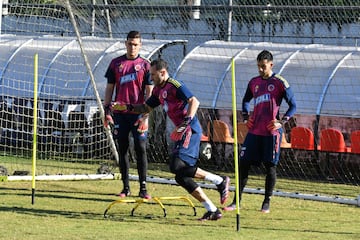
262,143
181,107
129,76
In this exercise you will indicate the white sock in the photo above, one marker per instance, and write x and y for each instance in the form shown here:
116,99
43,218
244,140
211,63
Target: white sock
209,206
216,179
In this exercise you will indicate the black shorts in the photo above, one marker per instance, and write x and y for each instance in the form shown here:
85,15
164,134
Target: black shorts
257,149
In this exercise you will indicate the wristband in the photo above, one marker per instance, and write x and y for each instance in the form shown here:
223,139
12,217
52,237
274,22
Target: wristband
187,120
285,119
107,109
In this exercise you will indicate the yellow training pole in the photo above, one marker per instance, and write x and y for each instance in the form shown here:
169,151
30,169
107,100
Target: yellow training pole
34,127
233,91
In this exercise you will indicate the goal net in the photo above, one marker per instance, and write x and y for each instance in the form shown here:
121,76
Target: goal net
314,45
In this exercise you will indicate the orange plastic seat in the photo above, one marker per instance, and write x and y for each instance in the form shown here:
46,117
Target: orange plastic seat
204,138
284,142
355,141
302,138
332,140
242,131
220,132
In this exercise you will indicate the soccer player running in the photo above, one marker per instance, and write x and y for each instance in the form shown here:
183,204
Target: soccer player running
181,107
262,143
129,76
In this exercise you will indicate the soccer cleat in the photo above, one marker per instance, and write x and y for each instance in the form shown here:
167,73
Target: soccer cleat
265,208
144,194
230,207
211,215
223,189
124,193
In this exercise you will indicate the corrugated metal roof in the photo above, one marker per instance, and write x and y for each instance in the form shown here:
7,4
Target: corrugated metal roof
325,79
62,71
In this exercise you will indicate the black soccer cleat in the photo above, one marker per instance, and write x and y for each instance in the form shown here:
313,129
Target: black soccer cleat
143,194
124,193
211,216
265,207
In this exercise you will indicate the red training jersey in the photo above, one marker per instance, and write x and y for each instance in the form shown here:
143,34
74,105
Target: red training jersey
130,77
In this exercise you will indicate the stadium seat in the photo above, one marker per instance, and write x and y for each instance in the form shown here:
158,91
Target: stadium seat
219,132
332,140
221,143
302,138
204,138
242,131
284,142
332,143
355,141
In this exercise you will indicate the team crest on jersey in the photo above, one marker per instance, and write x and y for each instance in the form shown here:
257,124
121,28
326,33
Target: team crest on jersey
121,67
271,87
137,67
256,88
164,94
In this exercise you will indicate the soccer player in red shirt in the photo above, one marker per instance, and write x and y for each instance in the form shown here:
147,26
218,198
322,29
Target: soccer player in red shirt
129,76
181,107
262,143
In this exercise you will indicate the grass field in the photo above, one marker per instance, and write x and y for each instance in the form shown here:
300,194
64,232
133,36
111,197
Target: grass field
74,210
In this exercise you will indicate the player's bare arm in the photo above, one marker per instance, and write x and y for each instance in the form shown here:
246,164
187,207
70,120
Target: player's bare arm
193,106
108,93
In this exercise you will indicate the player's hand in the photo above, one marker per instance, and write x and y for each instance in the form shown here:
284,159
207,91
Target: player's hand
178,136
143,124
181,130
108,121
274,125
116,106
249,123
184,124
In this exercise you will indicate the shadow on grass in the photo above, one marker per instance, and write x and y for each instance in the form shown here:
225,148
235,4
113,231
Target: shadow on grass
176,220
47,212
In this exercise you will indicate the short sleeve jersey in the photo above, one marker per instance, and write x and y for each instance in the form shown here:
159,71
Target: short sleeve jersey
173,96
130,77
268,95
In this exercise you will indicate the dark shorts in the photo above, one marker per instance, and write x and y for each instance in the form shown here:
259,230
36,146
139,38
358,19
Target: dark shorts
124,124
190,154
257,149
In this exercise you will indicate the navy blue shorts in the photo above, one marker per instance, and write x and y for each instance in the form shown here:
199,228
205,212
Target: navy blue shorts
190,154
257,149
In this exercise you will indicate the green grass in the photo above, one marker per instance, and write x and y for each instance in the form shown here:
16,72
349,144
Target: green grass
74,210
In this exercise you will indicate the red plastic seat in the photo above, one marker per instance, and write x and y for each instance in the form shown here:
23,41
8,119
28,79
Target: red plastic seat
302,138
332,140
355,141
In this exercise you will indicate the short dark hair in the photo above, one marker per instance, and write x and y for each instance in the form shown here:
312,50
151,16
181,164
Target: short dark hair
265,54
133,34
159,64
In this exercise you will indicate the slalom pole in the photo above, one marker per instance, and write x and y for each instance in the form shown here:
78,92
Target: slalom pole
34,151
233,91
